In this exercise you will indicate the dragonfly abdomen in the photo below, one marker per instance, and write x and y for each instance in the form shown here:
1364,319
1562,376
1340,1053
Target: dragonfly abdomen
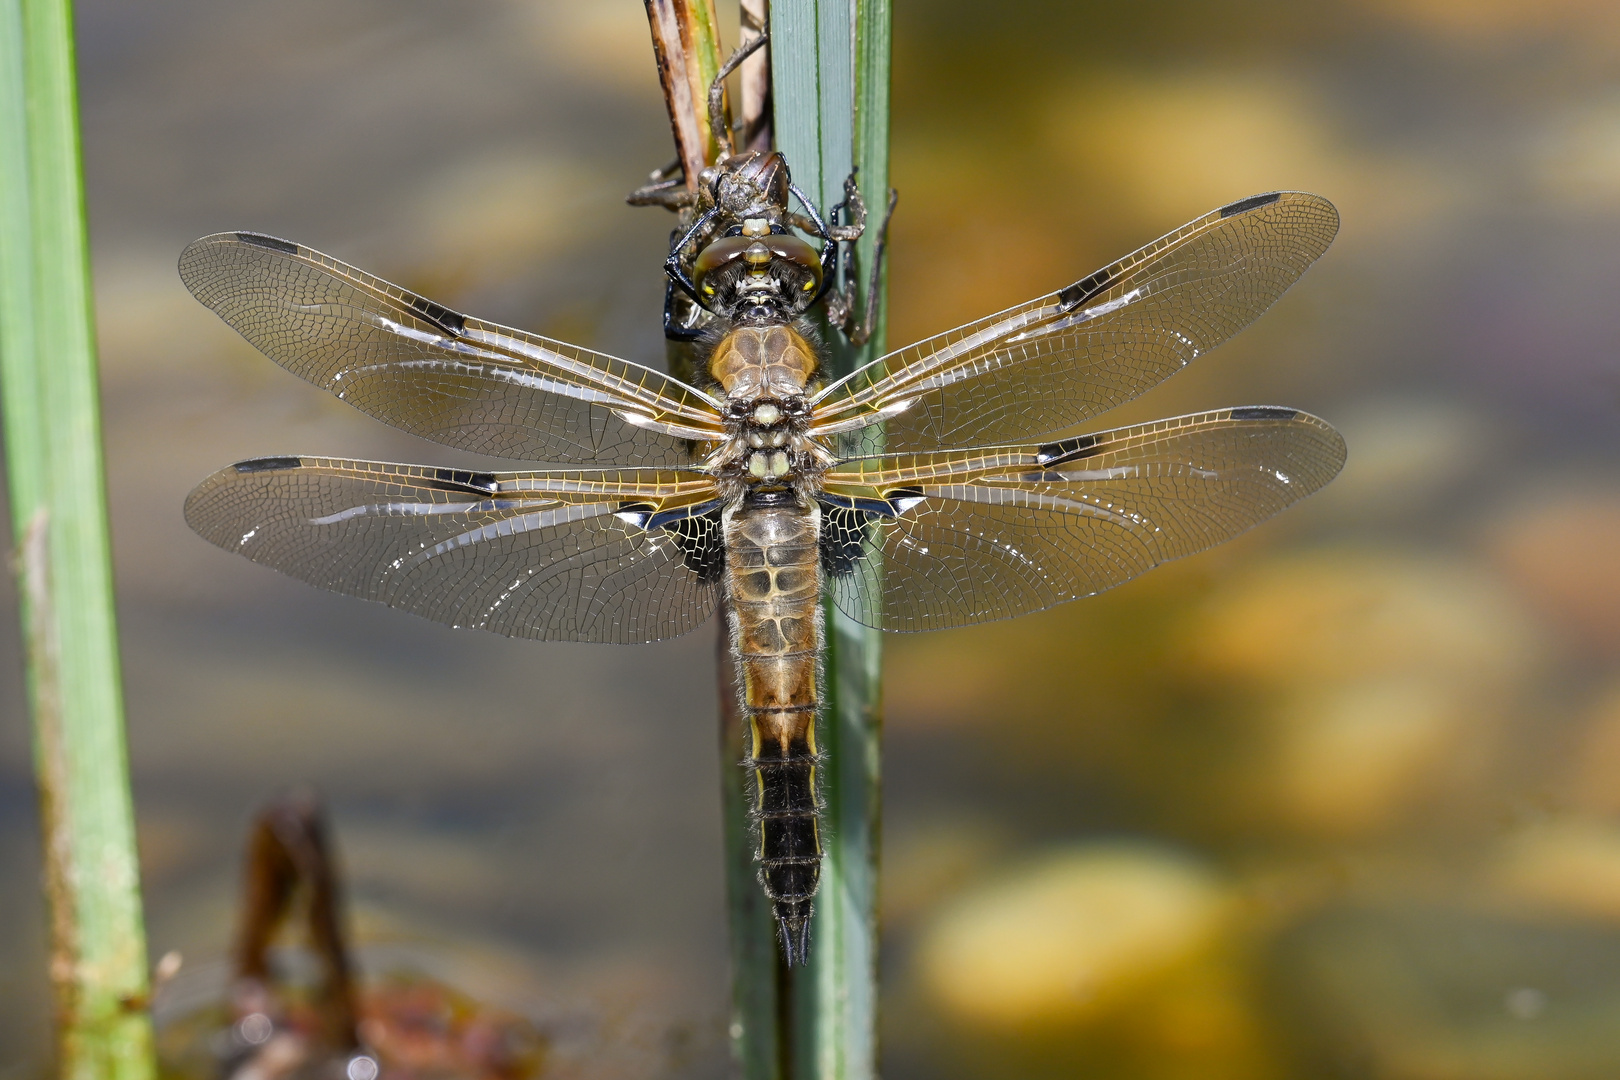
773,582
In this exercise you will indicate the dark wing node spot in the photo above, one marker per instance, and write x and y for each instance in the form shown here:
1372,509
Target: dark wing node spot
664,518
451,322
461,480
260,240
903,499
1081,446
1264,412
894,502
267,464
637,514
702,543
1083,290
1253,202
843,538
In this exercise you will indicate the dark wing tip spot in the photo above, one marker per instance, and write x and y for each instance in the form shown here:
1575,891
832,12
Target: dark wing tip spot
267,464
452,322
1083,290
1264,412
1081,446
1253,202
260,240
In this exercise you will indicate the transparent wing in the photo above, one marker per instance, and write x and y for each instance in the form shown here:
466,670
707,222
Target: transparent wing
1055,362
428,370
988,534
612,556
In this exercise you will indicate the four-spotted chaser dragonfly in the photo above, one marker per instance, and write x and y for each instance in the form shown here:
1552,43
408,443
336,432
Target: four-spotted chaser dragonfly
983,503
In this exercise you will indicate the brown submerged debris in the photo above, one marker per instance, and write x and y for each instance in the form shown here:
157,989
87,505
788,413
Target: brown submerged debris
332,1027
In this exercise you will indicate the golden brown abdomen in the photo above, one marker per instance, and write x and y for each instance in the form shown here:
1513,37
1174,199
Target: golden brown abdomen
773,581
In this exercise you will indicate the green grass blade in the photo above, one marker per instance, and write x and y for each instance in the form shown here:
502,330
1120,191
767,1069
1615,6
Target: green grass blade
52,420
830,71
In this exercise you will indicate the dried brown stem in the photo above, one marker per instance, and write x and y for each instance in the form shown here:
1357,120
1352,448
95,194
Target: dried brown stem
287,852
686,48
755,81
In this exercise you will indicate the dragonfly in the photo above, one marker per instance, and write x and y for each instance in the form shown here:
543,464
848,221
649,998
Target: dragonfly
755,484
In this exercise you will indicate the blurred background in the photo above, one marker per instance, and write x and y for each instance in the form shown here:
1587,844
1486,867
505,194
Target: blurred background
1337,799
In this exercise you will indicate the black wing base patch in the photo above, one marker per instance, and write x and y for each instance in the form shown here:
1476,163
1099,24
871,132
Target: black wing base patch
702,542
843,538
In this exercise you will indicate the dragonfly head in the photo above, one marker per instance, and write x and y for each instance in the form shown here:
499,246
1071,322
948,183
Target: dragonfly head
758,272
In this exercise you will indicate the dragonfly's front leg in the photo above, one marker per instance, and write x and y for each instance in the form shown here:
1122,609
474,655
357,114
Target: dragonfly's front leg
677,328
855,206
719,123
666,187
841,300
829,235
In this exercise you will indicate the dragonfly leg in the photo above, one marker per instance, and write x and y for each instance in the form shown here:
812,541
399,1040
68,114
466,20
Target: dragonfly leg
666,187
676,329
855,206
804,223
719,122
817,228
841,301
676,266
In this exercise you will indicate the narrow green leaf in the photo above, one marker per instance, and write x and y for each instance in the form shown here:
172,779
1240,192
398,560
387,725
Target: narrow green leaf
830,70
59,517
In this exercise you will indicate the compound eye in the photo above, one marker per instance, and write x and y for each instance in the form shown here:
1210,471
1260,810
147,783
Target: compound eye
718,254
735,230
792,249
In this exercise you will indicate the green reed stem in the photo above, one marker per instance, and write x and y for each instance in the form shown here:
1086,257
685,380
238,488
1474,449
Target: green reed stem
830,72
59,522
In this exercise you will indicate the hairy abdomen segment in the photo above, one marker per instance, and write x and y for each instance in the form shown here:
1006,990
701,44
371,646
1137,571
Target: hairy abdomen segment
773,581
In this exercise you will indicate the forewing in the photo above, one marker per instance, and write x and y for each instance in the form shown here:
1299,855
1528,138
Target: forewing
436,373
1057,361
611,556
988,534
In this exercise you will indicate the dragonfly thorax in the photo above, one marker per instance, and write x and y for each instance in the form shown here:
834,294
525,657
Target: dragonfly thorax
765,372
763,363
766,442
